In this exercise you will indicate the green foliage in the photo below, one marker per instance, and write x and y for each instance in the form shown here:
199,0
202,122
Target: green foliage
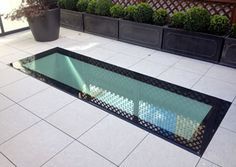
197,19
129,12
61,3
143,13
160,17
219,25
177,20
70,4
233,31
82,5
103,7
91,6
117,11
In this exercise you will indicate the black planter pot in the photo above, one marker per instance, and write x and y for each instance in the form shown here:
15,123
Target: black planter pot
229,53
46,27
193,44
101,25
141,34
72,19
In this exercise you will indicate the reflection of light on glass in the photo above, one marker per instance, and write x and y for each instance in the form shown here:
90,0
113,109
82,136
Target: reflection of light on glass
77,75
17,65
83,47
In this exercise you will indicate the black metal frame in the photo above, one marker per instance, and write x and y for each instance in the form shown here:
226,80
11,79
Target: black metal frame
197,144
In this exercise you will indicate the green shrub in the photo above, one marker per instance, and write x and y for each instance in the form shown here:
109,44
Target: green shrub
61,3
197,19
129,12
70,4
103,7
177,20
82,5
219,25
233,31
117,11
143,13
160,17
91,6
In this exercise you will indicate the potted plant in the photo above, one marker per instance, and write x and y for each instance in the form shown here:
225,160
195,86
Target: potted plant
97,20
143,26
43,17
72,13
229,52
197,34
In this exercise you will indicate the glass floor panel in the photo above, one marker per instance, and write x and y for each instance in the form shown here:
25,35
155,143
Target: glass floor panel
183,117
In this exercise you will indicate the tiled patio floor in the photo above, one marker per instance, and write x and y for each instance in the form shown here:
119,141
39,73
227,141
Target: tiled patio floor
42,126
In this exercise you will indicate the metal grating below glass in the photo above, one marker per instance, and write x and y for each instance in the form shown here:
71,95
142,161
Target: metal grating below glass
181,116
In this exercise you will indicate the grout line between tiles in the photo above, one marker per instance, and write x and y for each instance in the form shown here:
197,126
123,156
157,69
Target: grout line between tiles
134,149
232,131
8,159
211,162
198,162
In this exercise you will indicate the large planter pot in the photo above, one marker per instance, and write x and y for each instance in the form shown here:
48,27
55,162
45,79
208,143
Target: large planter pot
72,19
229,52
101,25
46,27
141,34
193,44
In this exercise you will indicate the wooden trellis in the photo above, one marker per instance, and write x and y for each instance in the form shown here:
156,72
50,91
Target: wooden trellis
223,7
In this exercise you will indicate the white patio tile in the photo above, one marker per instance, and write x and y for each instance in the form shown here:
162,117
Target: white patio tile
7,59
13,120
47,102
3,66
216,88
37,49
4,162
5,102
222,73
129,49
76,118
222,148
234,100
7,50
25,44
77,155
229,120
205,163
101,54
10,75
35,146
149,68
113,138
180,77
154,151
123,60
23,88
164,58
192,65
63,42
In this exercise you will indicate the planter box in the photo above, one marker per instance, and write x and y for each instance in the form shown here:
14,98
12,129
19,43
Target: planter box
101,25
141,34
229,53
193,44
72,19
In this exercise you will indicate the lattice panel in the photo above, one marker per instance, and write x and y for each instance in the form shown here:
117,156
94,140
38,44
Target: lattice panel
181,5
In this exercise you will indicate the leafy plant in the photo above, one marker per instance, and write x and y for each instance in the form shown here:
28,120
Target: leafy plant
129,12
91,6
197,19
70,4
143,13
82,5
219,25
177,20
31,8
233,31
103,7
61,3
117,11
160,17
